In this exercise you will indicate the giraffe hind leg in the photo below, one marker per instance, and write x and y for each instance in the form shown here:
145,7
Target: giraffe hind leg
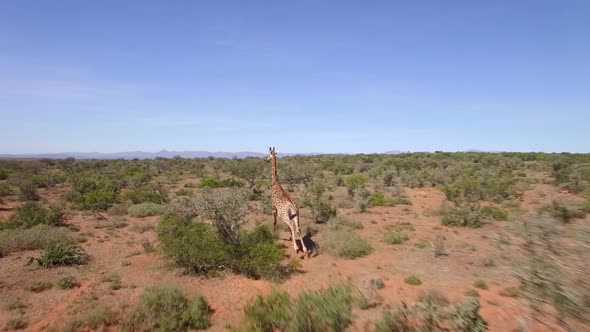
294,218
301,239
295,247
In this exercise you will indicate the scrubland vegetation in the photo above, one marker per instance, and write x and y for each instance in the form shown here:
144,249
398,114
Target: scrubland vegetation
210,219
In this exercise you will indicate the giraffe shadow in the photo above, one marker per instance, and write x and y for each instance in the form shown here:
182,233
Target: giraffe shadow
310,244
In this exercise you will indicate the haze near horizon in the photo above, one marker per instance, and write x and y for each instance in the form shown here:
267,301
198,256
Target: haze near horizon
330,77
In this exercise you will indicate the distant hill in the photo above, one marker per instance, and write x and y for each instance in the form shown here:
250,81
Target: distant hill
481,151
171,154
141,155
396,152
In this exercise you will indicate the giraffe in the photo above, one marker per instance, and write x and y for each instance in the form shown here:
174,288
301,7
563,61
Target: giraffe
283,206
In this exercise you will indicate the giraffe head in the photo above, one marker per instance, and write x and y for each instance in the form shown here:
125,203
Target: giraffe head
271,153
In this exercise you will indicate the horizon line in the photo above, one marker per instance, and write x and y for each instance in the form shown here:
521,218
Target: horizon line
393,151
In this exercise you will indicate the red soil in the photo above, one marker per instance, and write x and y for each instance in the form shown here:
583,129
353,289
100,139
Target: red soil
452,274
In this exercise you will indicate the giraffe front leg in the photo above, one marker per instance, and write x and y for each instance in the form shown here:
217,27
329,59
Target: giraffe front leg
274,225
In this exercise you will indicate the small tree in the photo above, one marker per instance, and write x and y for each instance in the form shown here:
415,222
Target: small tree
361,199
226,210
298,173
354,182
321,211
389,180
249,169
27,191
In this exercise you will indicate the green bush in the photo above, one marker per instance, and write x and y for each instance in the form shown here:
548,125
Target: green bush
413,280
152,193
209,181
343,168
395,237
465,215
324,310
195,246
117,210
166,308
377,199
389,180
5,190
354,182
481,284
257,255
422,244
343,222
147,209
199,248
562,212
185,192
114,279
37,237
68,282
268,313
430,315
488,262
62,254
393,322
266,205
420,317
510,292
344,242
226,209
40,286
321,211
494,213
472,185
249,169
361,199
400,201
33,213
465,316
101,316
433,296
94,196
27,191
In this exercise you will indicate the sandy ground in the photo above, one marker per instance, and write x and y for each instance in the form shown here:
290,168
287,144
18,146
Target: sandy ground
119,251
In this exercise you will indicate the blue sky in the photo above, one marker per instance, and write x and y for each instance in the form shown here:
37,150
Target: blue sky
321,76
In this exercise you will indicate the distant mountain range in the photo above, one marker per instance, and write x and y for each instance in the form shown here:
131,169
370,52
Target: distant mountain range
396,152
141,155
164,154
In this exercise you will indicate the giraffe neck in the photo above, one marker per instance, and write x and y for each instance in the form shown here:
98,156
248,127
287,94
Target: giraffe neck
275,177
